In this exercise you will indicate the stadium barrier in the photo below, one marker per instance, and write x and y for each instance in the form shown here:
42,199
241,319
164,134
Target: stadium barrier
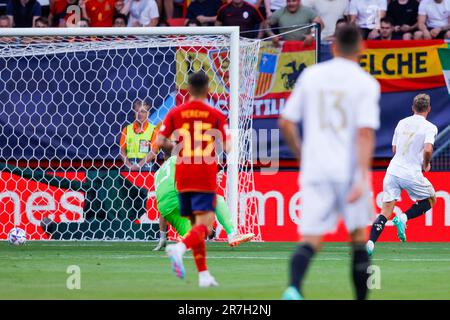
279,207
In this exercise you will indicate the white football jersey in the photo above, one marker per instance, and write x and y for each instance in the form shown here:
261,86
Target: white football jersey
332,99
410,135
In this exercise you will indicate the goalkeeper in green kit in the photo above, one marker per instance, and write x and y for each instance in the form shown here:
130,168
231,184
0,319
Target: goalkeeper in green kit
169,208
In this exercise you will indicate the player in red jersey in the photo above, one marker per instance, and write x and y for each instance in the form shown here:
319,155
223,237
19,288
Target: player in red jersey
198,130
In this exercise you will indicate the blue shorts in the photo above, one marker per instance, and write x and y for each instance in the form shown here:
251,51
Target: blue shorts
191,202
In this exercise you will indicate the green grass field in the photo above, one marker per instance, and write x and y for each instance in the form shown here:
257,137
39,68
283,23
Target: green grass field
111,270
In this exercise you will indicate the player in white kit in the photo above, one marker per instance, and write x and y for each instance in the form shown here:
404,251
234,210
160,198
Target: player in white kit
412,145
338,104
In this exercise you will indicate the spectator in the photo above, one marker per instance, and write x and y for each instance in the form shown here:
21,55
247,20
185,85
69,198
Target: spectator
330,11
100,12
41,22
387,30
205,11
137,141
290,18
118,6
339,24
433,20
367,14
165,8
273,5
142,13
120,20
23,13
57,12
45,7
242,14
5,22
261,6
67,13
404,15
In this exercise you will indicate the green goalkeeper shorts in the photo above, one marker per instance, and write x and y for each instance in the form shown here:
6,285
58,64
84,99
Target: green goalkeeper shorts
182,225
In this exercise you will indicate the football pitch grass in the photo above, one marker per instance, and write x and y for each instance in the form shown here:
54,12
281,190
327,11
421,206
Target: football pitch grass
119,270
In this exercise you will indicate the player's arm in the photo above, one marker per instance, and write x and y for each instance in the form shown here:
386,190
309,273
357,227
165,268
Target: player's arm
165,131
427,155
365,143
394,141
430,137
367,121
163,142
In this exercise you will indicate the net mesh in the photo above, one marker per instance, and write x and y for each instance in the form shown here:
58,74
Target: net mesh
66,102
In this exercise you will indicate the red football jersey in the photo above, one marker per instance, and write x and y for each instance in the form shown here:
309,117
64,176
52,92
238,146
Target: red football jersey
100,12
196,127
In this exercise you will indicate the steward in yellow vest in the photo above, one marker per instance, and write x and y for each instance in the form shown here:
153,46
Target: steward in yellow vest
137,141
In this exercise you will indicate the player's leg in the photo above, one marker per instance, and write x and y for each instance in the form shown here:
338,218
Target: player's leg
204,220
162,234
182,225
357,215
391,193
202,206
299,263
379,224
360,263
177,251
318,217
419,208
224,217
419,190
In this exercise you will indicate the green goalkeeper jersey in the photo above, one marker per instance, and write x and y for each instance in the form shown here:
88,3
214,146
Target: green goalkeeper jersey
166,193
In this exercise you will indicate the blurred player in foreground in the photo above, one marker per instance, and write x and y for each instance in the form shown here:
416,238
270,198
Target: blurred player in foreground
169,208
412,145
338,103
199,130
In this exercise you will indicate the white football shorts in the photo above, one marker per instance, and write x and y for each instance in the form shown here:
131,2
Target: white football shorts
418,188
323,203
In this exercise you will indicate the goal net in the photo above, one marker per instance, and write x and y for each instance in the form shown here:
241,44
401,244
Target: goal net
67,96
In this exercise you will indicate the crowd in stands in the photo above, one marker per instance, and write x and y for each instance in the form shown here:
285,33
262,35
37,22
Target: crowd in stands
277,19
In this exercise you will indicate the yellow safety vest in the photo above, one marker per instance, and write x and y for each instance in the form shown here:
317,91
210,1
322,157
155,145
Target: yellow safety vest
138,144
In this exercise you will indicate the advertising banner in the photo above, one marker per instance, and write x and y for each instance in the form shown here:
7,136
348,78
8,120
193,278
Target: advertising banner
25,203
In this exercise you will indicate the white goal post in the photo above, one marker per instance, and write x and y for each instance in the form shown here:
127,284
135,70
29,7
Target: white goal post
241,72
